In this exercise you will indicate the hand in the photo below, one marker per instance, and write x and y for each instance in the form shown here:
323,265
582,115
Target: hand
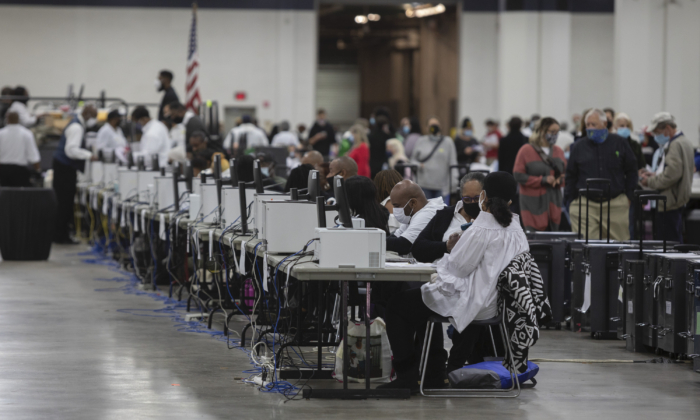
560,179
318,137
468,150
551,180
644,180
452,241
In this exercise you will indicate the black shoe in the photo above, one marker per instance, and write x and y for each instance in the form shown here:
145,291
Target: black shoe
402,383
438,381
68,241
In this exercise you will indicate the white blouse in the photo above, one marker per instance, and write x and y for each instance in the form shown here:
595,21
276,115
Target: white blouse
465,287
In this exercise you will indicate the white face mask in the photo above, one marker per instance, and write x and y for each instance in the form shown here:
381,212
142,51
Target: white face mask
400,215
481,201
91,122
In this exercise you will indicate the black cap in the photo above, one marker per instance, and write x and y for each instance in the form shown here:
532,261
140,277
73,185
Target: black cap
264,158
500,185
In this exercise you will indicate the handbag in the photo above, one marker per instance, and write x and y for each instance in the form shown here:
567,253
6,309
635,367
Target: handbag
432,152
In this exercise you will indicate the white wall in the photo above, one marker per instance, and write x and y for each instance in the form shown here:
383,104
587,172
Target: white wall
478,68
592,61
270,54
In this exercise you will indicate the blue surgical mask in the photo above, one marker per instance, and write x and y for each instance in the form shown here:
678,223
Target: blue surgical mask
567,154
661,139
468,133
372,121
624,132
351,138
406,129
265,171
597,135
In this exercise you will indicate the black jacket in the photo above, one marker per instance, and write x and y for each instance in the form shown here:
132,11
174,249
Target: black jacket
508,149
429,246
168,97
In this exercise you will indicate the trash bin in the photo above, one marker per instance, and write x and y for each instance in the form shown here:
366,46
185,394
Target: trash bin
27,223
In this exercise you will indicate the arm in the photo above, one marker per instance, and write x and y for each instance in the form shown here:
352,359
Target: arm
520,172
425,249
630,168
74,138
401,245
31,151
25,117
453,161
673,169
228,140
468,253
571,178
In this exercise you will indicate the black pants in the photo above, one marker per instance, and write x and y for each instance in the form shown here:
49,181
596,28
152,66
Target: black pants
64,184
406,318
669,225
14,176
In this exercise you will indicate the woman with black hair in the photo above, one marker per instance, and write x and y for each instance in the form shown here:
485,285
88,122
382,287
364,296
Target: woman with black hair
362,200
464,289
468,147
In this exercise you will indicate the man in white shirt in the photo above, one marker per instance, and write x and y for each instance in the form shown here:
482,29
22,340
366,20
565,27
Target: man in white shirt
69,158
19,106
413,211
252,134
285,138
17,150
154,140
110,136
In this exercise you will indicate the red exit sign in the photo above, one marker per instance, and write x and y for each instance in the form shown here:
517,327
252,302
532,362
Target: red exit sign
240,96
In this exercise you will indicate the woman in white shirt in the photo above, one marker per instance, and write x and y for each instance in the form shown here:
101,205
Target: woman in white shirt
464,288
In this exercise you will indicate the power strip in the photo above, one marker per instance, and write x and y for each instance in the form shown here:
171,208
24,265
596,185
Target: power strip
196,316
259,382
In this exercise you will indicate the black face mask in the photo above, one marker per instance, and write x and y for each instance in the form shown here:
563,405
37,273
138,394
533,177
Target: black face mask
472,209
178,120
434,129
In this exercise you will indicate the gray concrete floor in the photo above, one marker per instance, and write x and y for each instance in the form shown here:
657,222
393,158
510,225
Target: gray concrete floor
68,352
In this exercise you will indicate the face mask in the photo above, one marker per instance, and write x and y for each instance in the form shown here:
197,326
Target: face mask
597,135
472,209
623,132
265,171
481,201
351,138
372,121
434,129
406,129
532,125
567,154
400,215
159,85
91,122
661,139
551,138
468,133
178,120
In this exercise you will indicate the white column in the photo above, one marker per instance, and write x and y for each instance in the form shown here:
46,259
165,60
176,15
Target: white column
478,68
555,65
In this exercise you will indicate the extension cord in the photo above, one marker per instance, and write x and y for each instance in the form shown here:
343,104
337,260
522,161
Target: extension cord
196,316
259,382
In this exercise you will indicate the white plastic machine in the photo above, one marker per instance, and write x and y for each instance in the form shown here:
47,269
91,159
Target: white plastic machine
166,192
96,172
146,186
231,200
110,173
257,211
128,183
209,202
288,226
358,248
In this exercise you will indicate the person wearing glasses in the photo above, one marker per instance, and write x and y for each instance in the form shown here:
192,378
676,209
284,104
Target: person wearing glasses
442,232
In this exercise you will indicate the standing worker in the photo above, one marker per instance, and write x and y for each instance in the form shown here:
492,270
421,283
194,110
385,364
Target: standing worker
155,138
17,150
434,154
69,158
672,174
110,136
164,84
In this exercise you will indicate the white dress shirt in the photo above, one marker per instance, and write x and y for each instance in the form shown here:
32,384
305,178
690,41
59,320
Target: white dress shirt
420,220
109,138
74,139
465,286
17,146
178,132
285,139
26,118
394,224
154,140
255,137
457,221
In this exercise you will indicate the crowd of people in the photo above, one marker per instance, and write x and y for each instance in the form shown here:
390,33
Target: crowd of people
550,163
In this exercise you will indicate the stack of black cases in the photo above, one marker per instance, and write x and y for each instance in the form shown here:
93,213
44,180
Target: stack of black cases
631,311
550,256
692,308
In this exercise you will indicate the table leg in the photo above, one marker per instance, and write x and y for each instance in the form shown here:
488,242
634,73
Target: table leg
319,311
344,338
368,353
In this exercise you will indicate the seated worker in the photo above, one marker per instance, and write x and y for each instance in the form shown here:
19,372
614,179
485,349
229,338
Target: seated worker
464,288
413,211
267,167
201,162
438,239
315,158
385,181
298,177
361,194
343,166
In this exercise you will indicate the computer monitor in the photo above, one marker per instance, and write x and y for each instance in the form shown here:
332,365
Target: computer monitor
258,177
188,176
176,189
341,199
155,166
130,160
234,174
141,164
314,186
217,166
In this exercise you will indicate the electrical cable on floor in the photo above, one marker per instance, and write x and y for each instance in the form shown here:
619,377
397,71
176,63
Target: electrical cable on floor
593,361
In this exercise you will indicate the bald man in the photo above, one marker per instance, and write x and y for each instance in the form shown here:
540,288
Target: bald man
413,211
343,166
313,158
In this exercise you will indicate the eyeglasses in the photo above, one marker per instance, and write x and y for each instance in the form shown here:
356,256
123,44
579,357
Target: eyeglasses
469,200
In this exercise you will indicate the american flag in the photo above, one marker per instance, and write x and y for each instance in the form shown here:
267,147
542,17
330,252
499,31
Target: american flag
192,98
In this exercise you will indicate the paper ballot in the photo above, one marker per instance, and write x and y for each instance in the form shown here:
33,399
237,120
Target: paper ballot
586,294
